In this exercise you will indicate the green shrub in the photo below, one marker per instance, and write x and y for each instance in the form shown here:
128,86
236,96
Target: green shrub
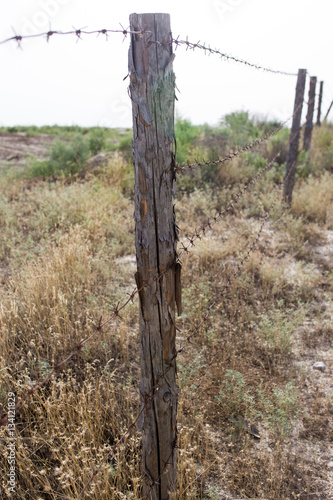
69,158
185,134
235,397
280,408
125,146
96,140
66,159
239,127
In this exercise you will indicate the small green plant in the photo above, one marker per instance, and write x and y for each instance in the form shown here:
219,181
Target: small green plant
235,397
278,409
276,332
281,408
212,493
191,371
66,159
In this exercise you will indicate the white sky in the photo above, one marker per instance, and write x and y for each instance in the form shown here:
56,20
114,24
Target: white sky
64,82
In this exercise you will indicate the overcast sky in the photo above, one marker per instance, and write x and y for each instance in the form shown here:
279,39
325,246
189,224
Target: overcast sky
64,82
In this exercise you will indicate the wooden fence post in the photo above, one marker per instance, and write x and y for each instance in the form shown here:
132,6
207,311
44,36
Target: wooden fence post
320,102
328,111
292,153
152,90
309,115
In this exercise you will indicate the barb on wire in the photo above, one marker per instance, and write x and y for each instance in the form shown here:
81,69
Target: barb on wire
226,57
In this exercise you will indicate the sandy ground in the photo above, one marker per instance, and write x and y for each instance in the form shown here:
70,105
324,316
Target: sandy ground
15,148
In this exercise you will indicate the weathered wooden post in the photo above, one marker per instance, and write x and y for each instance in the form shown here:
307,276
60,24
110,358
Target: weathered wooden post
152,90
292,153
320,100
309,115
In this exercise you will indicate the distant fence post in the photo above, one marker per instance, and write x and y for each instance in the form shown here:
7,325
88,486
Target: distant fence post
152,90
328,111
309,115
292,153
320,100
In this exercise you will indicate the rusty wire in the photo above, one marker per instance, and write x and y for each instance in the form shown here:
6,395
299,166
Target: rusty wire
226,57
230,156
76,32
212,220
243,149
176,41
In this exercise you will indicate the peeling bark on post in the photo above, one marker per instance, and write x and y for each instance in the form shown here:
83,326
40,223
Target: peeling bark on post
152,90
319,103
292,153
309,115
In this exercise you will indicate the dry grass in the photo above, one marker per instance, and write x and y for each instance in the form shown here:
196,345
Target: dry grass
61,247
314,200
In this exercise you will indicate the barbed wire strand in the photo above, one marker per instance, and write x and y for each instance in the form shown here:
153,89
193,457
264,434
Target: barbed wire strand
226,57
231,156
176,41
76,32
239,151
212,220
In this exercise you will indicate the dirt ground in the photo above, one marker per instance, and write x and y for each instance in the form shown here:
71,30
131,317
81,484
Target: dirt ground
15,148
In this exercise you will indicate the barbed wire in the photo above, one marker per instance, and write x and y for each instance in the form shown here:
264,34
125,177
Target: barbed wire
262,252
76,32
176,41
212,220
230,156
238,152
226,57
